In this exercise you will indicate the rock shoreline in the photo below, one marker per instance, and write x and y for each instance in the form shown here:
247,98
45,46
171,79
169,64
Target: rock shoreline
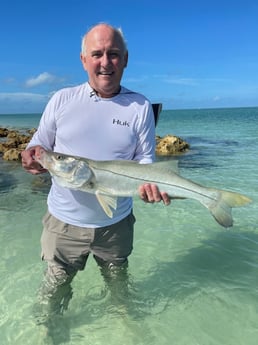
13,142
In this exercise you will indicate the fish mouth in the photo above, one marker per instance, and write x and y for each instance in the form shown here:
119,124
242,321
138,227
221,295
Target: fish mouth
42,158
45,160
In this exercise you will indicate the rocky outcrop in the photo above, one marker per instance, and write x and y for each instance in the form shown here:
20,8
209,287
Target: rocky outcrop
13,142
170,145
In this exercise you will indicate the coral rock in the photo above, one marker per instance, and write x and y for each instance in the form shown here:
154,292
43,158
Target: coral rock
170,144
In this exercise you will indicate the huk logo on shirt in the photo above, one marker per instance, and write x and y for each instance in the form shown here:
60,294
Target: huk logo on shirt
121,123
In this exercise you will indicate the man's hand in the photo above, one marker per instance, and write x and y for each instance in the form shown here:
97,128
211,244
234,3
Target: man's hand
29,163
150,193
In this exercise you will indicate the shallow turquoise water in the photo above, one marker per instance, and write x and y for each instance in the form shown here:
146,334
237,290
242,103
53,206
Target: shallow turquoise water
192,281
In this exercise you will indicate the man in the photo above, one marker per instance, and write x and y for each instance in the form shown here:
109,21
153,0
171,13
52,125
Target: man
100,120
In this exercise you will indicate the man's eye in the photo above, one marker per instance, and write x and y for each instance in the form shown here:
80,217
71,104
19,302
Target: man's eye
113,55
97,55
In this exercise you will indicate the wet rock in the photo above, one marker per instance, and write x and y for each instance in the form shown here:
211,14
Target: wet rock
170,145
13,142
12,155
3,132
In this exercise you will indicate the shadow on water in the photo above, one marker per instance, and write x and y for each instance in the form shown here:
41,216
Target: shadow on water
12,173
17,187
230,260
8,179
202,141
41,184
192,159
7,182
227,263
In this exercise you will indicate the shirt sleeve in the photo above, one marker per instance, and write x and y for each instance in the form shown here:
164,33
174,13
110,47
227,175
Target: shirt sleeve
45,134
146,143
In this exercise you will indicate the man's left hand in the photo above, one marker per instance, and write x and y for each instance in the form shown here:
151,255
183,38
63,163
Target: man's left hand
150,193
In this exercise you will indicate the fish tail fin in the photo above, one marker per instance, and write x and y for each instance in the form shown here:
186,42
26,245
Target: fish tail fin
221,207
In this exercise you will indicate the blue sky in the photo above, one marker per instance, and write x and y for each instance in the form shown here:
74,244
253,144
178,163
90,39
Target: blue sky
185,54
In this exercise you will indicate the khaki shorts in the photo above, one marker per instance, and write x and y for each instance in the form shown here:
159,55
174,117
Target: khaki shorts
69,246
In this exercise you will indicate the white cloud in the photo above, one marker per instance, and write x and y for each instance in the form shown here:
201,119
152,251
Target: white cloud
22,102
20,96
43,78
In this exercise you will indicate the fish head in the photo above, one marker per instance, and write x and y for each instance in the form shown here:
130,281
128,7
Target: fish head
68,171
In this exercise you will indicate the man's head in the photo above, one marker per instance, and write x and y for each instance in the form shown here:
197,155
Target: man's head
104,56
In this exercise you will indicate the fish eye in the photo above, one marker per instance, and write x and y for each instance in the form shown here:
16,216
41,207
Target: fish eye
59,157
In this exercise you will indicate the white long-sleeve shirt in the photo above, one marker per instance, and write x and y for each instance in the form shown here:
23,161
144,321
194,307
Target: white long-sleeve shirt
78,122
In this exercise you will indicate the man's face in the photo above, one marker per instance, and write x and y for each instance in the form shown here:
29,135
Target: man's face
105,60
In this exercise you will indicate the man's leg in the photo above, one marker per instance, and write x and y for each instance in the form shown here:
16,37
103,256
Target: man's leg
111,247
65,248
54,293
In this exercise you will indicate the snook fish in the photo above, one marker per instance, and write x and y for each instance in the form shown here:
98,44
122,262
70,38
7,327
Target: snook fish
111,179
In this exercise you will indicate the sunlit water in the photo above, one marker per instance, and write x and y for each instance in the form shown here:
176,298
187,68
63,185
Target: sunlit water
192,281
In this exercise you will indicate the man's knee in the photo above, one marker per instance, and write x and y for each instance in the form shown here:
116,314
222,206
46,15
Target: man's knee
59,275
116,263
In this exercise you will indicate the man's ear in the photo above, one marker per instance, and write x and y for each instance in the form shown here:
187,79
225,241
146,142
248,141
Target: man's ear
126,59
83,61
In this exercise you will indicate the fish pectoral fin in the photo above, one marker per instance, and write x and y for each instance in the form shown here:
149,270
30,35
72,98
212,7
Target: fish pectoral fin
107,202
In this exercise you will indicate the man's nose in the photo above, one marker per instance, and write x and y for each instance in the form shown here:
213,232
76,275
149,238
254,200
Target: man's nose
105,60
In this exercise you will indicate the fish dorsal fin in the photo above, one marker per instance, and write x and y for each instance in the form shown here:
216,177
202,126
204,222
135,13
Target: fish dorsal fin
170,165
107,202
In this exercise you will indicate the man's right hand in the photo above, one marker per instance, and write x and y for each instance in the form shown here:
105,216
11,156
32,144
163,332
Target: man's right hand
29,163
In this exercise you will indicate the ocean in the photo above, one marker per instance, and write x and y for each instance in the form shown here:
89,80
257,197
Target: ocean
192,282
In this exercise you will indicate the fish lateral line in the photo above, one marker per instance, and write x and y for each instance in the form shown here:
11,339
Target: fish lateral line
168,184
